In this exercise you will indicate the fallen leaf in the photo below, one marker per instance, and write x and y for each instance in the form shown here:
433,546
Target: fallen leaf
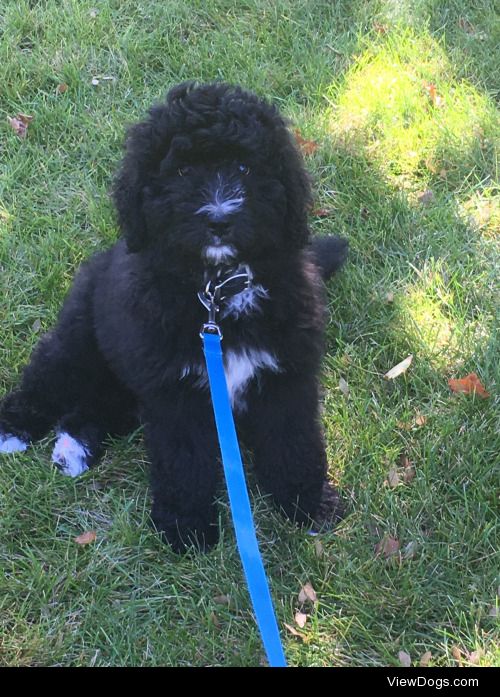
475,656
426,197
393,478
214,619
319,549
388,546
222,600
409,469
344,387
399,369
466,25
410,550
380,28
308,147
297,634
420,419
308,593
86,538
404,659
322,212
62,88
425,659
469,384
435,98
300,619
20,123
456,653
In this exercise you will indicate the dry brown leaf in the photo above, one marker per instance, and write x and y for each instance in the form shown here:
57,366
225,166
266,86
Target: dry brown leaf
319,549
86,538
435,98
300,619
399,369
410,550
393,478
297,634
426,197
20,123
420,419
404,659
62,88
214,619
475,656
470,384
308,593
425,659
388,546
380,28
222,600
322,212
308,147
456,653
467,26
409,469
344,387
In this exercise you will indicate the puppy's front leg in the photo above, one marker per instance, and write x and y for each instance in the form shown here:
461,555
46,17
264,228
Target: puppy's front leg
283,428
185,470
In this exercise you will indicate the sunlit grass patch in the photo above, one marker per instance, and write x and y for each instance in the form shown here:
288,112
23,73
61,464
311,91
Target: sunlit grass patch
402,102
482,211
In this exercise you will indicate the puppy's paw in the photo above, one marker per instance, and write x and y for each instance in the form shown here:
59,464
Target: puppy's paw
331,509
11,444
70,456
183,535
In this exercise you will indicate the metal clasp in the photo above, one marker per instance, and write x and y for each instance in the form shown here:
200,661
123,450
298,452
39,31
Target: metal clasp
207,297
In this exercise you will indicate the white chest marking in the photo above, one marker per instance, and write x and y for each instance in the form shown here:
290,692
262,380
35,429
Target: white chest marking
70,456
245,302
239,367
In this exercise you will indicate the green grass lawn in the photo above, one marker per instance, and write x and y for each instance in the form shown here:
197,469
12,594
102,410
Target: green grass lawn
400,99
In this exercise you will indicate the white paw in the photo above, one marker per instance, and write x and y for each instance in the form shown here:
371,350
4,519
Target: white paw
11,444
70,456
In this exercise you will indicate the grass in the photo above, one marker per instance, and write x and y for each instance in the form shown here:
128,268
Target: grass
422,279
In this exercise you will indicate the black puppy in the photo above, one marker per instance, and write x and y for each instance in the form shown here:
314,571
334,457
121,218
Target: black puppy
212,184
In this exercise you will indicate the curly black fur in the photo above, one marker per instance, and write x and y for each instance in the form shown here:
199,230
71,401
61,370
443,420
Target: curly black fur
212,177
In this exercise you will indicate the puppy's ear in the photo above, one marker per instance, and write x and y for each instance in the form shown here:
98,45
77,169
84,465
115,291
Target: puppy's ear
298,192
129,185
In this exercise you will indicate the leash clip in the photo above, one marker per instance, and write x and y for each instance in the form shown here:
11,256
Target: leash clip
208,299
226,283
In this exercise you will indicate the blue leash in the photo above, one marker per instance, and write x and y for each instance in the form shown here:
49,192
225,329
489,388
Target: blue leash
238,497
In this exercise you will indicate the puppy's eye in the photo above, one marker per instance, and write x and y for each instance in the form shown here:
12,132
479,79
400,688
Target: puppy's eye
184,171
244,169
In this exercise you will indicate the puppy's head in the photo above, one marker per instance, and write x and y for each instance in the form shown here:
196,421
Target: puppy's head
212,174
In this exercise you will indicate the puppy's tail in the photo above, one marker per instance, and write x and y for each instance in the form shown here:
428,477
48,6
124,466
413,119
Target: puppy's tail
330,253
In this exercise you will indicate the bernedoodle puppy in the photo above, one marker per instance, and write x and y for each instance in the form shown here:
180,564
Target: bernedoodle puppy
212,186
